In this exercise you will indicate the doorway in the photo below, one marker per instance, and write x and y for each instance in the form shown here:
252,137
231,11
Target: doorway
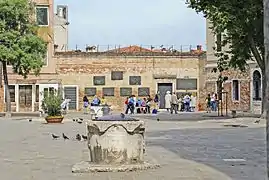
71,92
163,88
25,98
44,90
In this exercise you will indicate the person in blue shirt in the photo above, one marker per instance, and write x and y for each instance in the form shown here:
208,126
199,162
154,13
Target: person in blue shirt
130,105
96,101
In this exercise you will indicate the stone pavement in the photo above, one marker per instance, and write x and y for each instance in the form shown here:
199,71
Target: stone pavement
27,150
237,152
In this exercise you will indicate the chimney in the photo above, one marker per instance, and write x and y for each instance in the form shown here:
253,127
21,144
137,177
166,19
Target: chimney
199,47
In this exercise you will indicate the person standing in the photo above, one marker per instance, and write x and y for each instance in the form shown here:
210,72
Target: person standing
208,104
213,102
85,104
148,104
192,103
187,100
156,101
167,99
130,105
174,103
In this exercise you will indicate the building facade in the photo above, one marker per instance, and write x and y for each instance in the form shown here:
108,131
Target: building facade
116,76
243,90
26,93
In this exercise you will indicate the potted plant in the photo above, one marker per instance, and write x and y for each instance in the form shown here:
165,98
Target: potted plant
51,104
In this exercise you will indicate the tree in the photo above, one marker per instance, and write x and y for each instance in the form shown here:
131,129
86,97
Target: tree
241,23
20,46
266,45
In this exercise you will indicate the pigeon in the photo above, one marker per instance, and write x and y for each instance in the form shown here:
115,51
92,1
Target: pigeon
81,119
257,121
79,122
65,137
74,120
54,136
78,137
30,120
84,137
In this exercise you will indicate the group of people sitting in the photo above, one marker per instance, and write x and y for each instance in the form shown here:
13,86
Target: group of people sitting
96,101
140,105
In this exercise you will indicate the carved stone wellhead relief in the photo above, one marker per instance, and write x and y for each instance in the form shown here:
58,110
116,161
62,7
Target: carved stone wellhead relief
116,142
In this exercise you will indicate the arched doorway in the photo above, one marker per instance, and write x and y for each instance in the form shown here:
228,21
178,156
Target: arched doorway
257,90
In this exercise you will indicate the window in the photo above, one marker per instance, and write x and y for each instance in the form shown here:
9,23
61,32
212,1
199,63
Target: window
219,42
235,90
12,93
42,15
37,93
257,90
46,59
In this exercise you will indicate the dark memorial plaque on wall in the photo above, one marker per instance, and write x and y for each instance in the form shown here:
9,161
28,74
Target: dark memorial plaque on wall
117,75
108,91
99,80
125,91
90,91
135,80
143,91
186,84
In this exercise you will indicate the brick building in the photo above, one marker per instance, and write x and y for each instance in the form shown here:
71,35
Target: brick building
118,74
114,74
243,89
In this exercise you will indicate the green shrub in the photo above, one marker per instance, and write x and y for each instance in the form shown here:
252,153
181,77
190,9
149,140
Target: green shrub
51,103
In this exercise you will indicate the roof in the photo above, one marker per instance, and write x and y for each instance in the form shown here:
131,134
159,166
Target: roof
130,49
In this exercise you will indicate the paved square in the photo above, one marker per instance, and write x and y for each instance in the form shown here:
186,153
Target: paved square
28,152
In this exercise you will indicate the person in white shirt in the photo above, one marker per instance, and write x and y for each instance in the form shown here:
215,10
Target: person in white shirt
213,102
167,101
193,103
187,100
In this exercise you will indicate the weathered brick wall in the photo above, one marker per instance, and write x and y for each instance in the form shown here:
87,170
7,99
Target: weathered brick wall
80,69
244,80
207,89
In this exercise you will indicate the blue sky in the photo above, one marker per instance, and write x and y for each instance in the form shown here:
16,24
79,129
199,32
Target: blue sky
126,22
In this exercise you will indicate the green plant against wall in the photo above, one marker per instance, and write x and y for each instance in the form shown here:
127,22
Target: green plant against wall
51,103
